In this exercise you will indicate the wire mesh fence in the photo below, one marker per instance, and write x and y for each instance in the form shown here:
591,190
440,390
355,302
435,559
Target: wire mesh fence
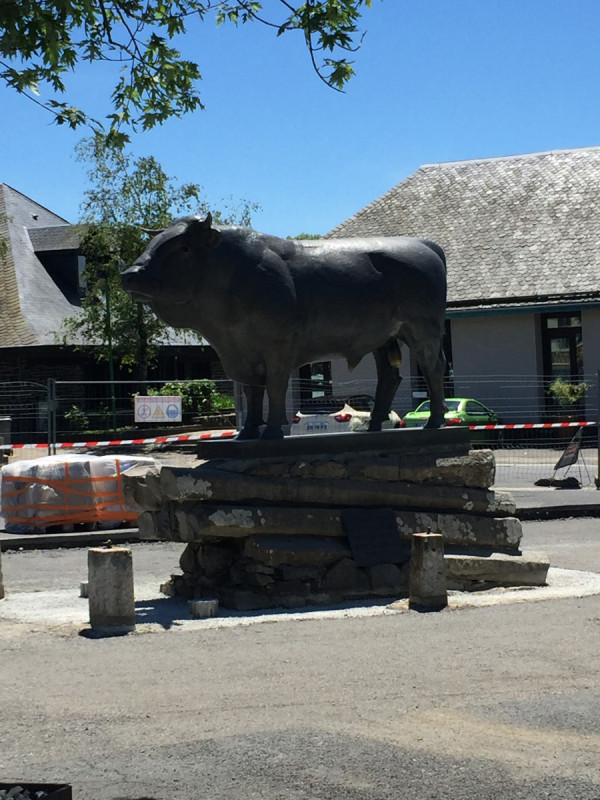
88,411
518,466
63,410
109,407
522,453
23,411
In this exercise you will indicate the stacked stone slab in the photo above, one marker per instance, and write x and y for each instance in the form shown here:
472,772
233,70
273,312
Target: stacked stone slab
267,524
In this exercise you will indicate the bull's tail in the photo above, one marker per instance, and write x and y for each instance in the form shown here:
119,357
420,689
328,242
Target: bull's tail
436,249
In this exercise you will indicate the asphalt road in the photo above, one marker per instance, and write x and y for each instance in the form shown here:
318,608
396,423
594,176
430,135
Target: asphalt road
496,702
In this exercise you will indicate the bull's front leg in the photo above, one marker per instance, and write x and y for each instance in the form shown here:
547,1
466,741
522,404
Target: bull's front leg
277,384
254,414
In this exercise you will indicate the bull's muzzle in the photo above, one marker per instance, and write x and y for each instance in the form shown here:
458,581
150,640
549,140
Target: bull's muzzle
130,280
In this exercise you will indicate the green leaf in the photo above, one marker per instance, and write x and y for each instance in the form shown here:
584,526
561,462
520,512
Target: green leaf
41,43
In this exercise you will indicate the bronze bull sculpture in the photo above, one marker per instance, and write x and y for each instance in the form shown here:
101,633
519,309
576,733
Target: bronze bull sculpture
269,305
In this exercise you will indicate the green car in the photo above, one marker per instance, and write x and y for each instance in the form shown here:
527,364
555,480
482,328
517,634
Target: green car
461,411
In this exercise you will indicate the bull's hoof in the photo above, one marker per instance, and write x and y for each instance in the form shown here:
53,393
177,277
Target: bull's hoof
435,424
272,432
374,426
248,432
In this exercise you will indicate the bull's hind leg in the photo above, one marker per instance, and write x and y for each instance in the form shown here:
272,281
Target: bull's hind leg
388,380
254,416
429,352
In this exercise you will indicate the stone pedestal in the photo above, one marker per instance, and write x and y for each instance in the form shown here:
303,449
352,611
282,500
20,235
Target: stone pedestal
315,520
427,585
110,590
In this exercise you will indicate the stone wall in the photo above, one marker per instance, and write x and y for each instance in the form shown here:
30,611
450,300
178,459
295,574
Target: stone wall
292,528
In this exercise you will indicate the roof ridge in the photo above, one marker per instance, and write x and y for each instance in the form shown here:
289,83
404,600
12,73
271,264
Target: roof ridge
378,200
35,202
512,157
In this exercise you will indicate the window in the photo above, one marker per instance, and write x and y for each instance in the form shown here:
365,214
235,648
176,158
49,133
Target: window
562,350
473,407
315,380
562,346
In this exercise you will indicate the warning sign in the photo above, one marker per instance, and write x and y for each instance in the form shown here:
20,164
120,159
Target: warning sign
571,454
165,408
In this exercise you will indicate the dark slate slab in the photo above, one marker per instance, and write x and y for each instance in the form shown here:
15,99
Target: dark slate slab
373,537
446,441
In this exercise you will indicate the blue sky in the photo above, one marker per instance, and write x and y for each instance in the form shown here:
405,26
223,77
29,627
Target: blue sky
436,81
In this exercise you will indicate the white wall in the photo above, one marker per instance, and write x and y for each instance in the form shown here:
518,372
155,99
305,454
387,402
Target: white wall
497,360
363,380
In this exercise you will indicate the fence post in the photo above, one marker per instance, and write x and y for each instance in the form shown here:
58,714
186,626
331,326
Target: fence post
238,402
51,404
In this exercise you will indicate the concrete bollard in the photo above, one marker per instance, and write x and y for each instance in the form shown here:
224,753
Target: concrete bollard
203,609
427,582
110,590
83,589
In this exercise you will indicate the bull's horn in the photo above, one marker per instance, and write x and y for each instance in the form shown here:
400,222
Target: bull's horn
207,221
151,231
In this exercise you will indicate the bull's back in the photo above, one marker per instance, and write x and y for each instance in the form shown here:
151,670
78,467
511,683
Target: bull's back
393,273
353,295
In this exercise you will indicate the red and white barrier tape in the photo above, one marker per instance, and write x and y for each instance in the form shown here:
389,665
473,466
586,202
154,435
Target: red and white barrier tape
529,425
190,437
183,437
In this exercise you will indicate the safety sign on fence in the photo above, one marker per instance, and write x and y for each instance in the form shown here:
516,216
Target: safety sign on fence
158,408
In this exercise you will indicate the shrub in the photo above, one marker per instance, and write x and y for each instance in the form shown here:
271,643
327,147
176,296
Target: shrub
567,394
199,396
76,419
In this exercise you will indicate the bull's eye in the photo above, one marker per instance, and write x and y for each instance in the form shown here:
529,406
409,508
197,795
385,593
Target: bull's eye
185,248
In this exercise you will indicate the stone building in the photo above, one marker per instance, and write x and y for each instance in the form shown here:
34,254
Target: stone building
40,285
521,239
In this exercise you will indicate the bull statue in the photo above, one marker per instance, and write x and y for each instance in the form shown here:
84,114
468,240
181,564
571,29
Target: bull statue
270,305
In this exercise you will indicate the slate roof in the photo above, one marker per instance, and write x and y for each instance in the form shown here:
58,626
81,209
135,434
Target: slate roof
516,230
32,307
58,237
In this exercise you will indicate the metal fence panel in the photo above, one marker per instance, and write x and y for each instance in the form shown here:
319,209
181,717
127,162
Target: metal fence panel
87,411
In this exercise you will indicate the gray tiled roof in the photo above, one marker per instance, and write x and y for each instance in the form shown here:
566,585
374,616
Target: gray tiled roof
58,237
32,307
516,227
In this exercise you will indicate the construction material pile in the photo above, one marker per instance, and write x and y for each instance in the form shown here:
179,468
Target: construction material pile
66,490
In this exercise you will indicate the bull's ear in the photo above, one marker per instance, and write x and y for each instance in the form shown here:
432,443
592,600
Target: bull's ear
210,236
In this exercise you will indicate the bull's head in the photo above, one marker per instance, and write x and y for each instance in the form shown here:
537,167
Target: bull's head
204,225
178,248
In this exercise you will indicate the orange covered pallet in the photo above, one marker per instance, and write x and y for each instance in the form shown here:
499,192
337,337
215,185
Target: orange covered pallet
66,490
